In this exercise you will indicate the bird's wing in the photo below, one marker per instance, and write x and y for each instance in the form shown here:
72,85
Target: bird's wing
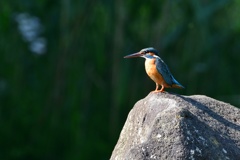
164,71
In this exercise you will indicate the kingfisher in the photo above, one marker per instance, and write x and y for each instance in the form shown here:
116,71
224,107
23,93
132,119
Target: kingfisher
157,69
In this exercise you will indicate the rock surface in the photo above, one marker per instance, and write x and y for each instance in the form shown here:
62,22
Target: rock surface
167,126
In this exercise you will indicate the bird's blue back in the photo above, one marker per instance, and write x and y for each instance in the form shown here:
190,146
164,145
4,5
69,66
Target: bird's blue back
165,72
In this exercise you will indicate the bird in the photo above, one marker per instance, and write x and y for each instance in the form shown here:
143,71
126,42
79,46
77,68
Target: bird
157,69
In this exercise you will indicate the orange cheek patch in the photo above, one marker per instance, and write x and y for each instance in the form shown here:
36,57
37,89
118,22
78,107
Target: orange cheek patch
151,54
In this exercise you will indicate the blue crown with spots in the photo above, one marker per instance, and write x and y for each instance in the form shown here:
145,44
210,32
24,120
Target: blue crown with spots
149,49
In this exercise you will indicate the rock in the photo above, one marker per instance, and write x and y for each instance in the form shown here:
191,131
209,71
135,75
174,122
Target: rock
167,126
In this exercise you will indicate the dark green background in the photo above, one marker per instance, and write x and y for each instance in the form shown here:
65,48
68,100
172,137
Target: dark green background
71,102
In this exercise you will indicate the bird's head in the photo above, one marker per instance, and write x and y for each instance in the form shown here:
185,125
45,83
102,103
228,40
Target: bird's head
147,53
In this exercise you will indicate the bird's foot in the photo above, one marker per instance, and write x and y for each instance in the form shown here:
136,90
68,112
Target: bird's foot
157,91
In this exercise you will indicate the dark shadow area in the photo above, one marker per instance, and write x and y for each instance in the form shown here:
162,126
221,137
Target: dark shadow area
211,113
210,142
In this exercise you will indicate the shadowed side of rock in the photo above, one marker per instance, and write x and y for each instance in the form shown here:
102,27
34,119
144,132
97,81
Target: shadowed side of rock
167,126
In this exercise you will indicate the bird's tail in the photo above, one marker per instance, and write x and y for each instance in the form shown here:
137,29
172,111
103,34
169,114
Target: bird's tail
176,84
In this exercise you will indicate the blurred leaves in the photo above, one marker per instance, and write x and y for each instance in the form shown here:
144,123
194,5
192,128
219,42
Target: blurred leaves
71,101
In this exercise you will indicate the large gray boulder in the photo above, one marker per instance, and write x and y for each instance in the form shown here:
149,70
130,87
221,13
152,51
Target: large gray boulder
167,126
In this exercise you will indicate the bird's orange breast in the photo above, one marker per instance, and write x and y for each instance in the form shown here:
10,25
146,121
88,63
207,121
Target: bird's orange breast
153,73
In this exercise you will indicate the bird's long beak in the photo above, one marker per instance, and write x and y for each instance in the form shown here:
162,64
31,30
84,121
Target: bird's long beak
138,54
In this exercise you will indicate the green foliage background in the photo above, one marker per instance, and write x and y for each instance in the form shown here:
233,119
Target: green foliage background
72,101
